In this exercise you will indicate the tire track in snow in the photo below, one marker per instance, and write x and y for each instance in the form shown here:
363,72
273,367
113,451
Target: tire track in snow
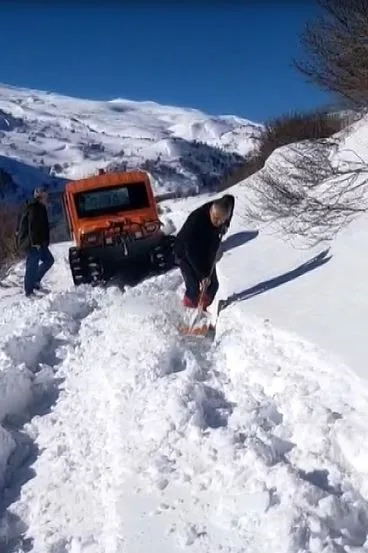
36,349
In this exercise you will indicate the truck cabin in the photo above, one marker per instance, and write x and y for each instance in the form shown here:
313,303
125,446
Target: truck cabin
107,198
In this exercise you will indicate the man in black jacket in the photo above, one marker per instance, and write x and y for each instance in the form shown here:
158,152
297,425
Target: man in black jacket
196,248
39,258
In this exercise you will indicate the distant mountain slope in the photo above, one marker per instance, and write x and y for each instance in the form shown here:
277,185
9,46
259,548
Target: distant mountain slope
64,137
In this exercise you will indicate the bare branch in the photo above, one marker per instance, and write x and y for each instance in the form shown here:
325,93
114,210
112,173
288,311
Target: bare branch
306,192
286,129
336,50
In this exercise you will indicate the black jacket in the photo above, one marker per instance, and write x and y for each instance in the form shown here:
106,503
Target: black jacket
38,224
198,240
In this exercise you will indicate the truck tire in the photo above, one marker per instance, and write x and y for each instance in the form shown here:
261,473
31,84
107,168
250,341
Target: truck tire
94,270
76,266
162,256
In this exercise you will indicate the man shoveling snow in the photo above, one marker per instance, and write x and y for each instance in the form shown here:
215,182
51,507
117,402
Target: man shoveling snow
196,248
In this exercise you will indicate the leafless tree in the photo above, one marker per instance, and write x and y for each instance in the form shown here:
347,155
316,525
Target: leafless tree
336,50
309,192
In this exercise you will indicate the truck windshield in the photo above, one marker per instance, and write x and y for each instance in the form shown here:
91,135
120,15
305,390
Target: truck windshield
112,199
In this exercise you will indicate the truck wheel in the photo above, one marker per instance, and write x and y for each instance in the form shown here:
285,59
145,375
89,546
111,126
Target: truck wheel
76,266
94,270
162,257
168,245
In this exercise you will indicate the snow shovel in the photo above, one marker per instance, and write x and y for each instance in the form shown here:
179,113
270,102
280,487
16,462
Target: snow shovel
190,330
199,331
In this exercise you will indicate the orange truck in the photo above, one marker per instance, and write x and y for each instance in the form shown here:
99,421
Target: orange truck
114,223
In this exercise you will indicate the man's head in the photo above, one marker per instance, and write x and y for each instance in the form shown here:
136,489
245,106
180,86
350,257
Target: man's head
40,194
220,211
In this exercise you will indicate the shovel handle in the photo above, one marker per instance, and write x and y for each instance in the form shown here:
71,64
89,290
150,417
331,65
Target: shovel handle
199,307
201,296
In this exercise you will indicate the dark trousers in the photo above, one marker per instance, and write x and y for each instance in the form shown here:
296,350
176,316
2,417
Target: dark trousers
192,285
38,262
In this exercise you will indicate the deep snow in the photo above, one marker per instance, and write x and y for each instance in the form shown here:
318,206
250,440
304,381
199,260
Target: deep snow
139,440
256,443
119,435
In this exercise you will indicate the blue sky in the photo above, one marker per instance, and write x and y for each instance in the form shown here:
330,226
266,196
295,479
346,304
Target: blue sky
221,57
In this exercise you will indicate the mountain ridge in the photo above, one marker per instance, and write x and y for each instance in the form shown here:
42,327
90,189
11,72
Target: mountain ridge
69,138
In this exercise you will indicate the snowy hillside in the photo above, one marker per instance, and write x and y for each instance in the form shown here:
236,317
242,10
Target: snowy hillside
50,137
119,435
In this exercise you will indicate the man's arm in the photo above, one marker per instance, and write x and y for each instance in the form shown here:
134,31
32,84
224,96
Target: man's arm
34,226
191,239
200,264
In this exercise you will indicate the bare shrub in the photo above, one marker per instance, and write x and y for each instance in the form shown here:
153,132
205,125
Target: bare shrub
308,192
8,250
296,127
283,130
336,50
253,164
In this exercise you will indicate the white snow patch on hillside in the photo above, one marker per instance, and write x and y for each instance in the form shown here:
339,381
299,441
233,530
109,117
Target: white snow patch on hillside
73,138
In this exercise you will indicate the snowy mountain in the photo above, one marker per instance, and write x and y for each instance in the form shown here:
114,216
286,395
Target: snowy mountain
119,435
49,138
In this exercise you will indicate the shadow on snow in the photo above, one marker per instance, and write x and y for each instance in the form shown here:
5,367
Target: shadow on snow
266,285
238,239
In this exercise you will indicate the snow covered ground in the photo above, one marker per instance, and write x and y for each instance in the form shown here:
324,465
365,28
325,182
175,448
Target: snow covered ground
119,435
319,293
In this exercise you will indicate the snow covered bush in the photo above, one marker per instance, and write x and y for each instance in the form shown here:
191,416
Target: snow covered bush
311,189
